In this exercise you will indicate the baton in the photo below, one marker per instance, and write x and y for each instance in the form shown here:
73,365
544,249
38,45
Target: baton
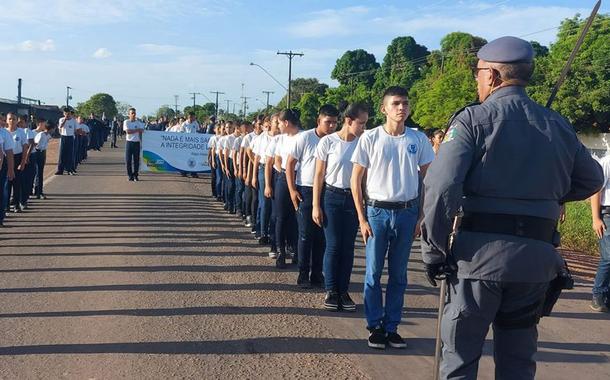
437,349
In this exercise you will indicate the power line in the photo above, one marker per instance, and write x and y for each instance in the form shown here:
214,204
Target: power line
290,54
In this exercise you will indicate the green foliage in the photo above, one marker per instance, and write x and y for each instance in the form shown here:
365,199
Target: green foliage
461,43
309,106
540,50
584,98
576,232
98,104
202,112
301,86
355,61
166,111
122,108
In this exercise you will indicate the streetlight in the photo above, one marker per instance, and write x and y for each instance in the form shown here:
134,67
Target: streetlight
268,73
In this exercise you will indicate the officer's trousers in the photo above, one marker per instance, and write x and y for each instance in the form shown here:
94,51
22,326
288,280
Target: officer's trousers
471,307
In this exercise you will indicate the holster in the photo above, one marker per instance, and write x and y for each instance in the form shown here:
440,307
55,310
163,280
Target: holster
563,281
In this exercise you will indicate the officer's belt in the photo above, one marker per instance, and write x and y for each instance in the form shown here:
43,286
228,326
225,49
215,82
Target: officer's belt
530,227
337,189
391,205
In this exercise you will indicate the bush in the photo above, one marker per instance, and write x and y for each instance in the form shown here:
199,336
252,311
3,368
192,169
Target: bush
576,232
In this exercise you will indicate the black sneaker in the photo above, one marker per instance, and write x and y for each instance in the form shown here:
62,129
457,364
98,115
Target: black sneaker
264,240
396,341
131,179
331,301
377,338
303,280
59,173
280,262
346,302
598,304
317,280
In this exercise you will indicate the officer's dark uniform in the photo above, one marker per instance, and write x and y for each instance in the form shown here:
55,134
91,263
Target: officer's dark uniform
509,163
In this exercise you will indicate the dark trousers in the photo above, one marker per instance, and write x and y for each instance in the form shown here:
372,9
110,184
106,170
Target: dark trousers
41,159
113,141
132,157
311,236
219,178
264,205
285,217
255,218
239,196
3,173
340,229
213,181
230,198
13,188
28,177
247,200
66,154
78,141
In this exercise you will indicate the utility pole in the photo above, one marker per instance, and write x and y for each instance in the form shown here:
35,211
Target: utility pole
19,82
68,97
290,55
194,98
234,104
245,105
216,109
228,105
267,93
176,104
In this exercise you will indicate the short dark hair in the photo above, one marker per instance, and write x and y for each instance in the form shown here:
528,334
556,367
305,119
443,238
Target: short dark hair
328,110
395,91
291,115
131,109
192,113
65,109
41,120
520,72
354,110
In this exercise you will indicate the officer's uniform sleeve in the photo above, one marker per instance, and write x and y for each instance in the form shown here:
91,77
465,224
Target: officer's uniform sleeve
444,189
587,177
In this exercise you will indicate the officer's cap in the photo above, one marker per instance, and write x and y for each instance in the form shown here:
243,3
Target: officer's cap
507,50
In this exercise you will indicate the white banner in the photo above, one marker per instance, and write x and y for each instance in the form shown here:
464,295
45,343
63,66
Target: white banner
174,152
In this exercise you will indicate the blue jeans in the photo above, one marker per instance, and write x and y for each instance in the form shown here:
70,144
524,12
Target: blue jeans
285,218
239,195
264,204
340,229
601,285
230,198
392,233
219,175
311,237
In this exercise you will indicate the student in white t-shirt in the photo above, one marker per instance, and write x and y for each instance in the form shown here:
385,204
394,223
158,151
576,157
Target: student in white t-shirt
227,145
600,211
30,158
392,157
286,229
20,146
251,176
239,182
133,129
300,183
41,141
243,172
7,167
333,205
212,162
67,130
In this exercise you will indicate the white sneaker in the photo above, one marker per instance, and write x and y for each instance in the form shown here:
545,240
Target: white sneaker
273,254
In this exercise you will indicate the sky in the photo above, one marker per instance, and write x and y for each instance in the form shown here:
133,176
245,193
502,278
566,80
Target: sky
143,52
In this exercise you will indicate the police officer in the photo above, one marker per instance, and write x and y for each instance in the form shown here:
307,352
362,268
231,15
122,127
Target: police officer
504,248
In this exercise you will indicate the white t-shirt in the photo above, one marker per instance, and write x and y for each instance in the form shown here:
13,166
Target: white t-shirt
270,151
42,140
6,140
69,127
255,142
392,163
190,127
303,150
236,147
30,134
337,154
283,147
245,143
19,138
261,148
220,144
131,125
228,144
212,142
605,164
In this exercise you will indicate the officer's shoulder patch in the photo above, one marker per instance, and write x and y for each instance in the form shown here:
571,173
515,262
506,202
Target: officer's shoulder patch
451,132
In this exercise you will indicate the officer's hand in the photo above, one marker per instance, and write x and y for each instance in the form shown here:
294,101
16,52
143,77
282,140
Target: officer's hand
296,198
599,227
268,192
562,213
438,271
316,215
365,230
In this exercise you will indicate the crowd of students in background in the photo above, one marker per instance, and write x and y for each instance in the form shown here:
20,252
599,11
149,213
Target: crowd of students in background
305,194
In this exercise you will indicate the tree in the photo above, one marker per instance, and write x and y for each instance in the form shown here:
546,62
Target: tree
447,84
98,104
540,50
201,112
355,61
166,111
122,108
300,86
309,105
584,98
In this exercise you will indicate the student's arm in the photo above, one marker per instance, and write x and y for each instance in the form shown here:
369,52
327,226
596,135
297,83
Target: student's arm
242,163
318,183
291,180
226,158
24,159
28,152
358,174
10,165
235,164
268,177
596,211
257,160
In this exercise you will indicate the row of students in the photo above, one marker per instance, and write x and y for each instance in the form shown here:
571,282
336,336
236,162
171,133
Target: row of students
310,191
22,161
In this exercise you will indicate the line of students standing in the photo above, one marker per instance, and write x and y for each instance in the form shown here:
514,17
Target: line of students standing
22,161
306,193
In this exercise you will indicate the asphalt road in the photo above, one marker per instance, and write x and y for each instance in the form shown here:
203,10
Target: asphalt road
110,279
